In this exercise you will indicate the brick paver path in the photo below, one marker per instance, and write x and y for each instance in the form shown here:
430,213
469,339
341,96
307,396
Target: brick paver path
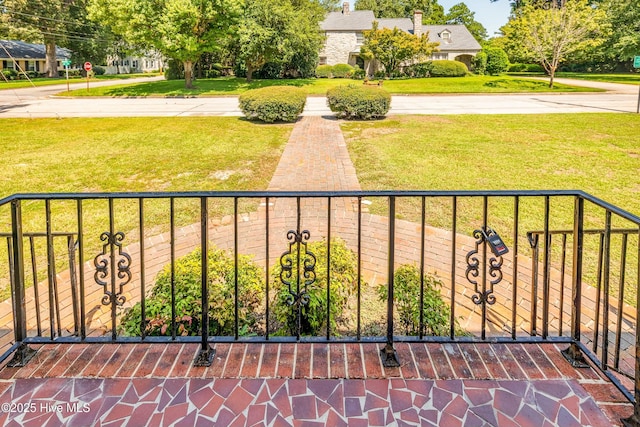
453,385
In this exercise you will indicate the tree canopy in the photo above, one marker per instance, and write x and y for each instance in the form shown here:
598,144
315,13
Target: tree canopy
180,29
392,47
433,12
462,15
550,36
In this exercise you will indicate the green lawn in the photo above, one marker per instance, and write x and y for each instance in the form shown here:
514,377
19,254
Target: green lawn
628,78
597,153
16,84
132,154
235,86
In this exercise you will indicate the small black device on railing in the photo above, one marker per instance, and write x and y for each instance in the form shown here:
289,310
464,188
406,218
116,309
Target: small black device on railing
495,242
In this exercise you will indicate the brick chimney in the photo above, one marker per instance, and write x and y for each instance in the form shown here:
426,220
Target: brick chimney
417,23
345,8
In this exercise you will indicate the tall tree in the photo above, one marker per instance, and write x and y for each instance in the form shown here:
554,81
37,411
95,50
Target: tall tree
279,31
392,47
624,19
462,15
550,36
180,29
433,12
49,19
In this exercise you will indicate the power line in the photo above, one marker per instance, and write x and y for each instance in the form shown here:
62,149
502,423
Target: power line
62,21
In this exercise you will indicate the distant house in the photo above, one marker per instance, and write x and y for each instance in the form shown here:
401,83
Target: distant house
17,55
344,36
145,63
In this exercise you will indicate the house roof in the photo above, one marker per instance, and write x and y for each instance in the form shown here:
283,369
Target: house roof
22,50
460,39
404,24
357,20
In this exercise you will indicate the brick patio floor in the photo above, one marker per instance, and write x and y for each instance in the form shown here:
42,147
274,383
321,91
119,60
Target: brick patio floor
308,384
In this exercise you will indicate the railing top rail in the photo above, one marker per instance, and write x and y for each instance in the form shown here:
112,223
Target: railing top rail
319,194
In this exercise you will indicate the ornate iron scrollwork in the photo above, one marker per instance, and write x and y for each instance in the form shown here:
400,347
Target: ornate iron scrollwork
304,259
298,272
484,295
108,264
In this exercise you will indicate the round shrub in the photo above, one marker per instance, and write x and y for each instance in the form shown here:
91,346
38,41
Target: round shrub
517,68
480,63
10,74
274,103
406,287
358,101
447,68
342,71
497,61
98,70
188,297
313,318
535,68
324,71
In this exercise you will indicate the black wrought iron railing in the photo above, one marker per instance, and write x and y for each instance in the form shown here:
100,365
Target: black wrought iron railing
508,266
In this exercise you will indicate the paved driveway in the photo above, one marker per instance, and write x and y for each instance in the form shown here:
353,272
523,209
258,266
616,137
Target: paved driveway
37,102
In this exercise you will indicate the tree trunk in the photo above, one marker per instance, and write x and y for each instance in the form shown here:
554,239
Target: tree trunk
51,64
249,74
188,74
552,74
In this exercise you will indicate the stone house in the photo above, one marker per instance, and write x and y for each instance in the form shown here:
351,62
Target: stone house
344,35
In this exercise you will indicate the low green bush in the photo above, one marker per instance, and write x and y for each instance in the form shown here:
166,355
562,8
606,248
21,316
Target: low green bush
188,299
480,63
420,70
517,68
98,70
436,313
274,103
324,71
447,68
174,70
9,74
358,73
358,101
535,68
342,71
313,317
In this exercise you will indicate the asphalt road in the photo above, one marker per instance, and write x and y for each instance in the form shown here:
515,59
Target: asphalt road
40,102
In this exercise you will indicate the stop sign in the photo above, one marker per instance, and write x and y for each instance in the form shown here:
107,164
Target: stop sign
87,66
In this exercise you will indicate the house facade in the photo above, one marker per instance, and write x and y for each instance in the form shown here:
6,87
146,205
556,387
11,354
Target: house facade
21,56
146,63
344,36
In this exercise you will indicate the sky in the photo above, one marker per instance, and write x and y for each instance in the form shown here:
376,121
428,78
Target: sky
491,15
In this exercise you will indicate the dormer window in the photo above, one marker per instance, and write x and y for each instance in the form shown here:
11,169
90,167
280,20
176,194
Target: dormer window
446,35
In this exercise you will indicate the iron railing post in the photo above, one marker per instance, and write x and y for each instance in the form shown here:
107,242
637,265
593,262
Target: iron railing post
388,353
634,420
206,354
23,353
573,353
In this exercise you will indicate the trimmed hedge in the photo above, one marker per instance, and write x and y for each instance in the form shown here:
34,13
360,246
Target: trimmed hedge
446,68
324,71
274,103
358,101
342,71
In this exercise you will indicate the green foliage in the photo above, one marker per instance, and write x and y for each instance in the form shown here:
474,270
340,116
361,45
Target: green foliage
480,63
280,31
314,315
324,71
188,297
420,70
9,73
270,70
274,103
358,102
174,70
391,47
460,14
98,70
358,73
446,68
528,68
497,61
342,71
433,12
436,313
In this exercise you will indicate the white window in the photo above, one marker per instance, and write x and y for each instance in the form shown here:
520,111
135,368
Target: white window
134,64
31,65
446,35
359,38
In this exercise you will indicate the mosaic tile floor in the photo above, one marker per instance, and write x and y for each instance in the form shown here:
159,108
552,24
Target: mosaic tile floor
298,402
306,385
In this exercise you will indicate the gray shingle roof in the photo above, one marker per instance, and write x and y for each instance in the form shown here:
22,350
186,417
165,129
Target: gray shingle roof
404,24
22,50
460,39
357,20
